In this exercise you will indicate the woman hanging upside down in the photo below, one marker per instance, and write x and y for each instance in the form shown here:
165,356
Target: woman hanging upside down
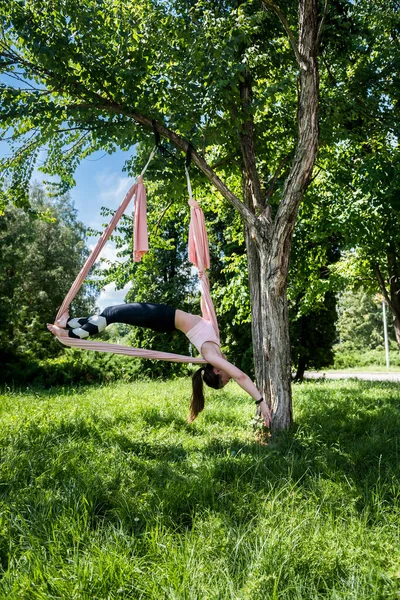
162,318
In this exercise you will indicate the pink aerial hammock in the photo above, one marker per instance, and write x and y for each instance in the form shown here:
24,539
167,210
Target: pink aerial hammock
198,255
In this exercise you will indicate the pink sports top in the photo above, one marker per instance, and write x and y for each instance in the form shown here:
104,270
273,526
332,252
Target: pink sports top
202,332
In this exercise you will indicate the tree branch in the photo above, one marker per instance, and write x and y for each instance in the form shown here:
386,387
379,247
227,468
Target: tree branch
321,24
77,143
224,161
21,150
101,103
301,168
182,144
157,225
315,176
271,187
251,180
269,4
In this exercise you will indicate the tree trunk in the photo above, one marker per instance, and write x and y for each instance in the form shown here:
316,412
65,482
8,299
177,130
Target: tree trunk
268,240
396,325
270,329
301,369
276,342
395,307
257,314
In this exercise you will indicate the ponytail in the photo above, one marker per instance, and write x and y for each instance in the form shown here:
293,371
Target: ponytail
197,400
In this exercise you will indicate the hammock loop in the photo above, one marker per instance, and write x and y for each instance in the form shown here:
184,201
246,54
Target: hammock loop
198,254
193,203
152,153
189,186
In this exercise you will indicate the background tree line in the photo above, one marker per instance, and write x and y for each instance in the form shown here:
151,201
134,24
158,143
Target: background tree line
41,251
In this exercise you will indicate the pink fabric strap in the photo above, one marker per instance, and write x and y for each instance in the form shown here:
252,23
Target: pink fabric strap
199,255
138,189
128,350
140,236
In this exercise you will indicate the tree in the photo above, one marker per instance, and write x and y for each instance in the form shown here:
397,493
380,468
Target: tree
39,258
360,321
225,83
359,190
359,173
373,244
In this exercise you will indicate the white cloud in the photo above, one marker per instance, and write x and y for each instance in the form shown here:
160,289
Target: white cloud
113,188
109,252
109,296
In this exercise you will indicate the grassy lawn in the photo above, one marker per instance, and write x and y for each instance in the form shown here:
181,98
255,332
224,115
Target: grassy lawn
107,493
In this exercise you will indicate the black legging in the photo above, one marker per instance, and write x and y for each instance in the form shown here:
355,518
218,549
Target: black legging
158,317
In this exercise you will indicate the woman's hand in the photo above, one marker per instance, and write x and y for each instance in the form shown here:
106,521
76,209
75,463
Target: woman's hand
264,412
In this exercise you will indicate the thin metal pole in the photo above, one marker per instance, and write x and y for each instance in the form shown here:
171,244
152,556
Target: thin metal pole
385,333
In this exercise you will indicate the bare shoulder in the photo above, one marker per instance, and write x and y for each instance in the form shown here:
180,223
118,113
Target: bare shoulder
212,354
185,321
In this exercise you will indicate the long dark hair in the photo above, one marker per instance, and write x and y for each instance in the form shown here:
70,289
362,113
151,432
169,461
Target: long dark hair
211,379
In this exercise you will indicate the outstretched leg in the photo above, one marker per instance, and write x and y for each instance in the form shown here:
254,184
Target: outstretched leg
158,317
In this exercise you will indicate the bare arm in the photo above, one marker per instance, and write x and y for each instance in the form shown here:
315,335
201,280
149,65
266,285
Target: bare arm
241,379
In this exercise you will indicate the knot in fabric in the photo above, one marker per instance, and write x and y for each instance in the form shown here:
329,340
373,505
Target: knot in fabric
193,203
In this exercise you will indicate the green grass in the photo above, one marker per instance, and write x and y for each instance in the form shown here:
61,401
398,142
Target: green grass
107,493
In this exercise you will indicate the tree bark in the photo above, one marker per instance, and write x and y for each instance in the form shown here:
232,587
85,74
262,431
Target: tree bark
277,342
257,315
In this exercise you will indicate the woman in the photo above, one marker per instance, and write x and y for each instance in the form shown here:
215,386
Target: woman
162,318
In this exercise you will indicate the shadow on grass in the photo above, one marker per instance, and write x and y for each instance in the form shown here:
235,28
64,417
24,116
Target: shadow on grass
345,440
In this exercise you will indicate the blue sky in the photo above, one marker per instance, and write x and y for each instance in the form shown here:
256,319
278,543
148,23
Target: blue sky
100,181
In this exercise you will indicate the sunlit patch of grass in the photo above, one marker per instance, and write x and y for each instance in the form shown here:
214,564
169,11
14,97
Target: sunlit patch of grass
108,492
